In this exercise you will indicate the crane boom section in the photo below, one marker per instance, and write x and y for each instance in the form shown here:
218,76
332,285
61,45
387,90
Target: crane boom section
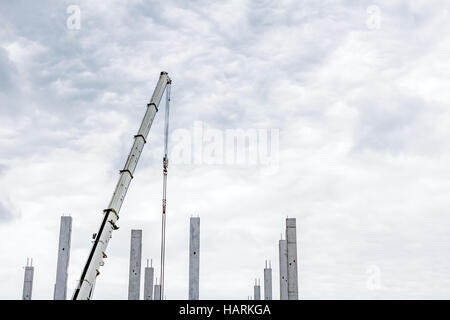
85,286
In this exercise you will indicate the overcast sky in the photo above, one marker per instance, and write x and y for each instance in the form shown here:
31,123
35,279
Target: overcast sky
356,94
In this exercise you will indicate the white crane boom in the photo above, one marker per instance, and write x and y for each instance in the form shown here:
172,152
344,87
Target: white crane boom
111,213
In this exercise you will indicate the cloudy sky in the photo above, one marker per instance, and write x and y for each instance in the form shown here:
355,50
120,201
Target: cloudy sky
355,93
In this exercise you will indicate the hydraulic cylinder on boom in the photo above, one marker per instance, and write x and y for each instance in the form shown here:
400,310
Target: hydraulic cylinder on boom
90,272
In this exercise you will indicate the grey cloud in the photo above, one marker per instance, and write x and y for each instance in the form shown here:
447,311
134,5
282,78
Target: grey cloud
7,213
388,120
7,72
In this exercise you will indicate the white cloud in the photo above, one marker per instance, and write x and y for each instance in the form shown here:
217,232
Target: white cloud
363,129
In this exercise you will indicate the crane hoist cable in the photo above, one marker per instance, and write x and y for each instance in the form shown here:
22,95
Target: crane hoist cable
164,200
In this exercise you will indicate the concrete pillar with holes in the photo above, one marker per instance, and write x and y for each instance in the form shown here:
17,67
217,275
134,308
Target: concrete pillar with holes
194,258
65,233
291,239
282,245
134,282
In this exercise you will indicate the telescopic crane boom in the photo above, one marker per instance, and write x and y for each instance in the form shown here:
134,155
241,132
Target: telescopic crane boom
86,283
